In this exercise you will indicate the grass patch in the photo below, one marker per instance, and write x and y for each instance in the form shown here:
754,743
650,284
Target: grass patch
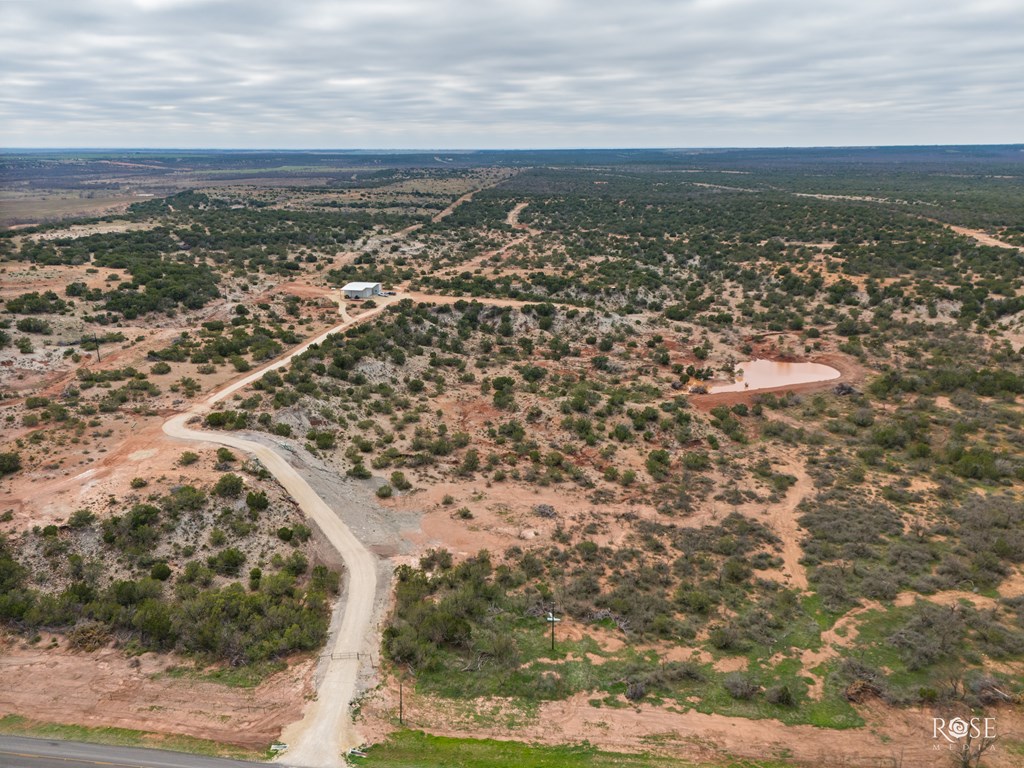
488,713
1013,746
540,675
415,749
812,605
16,725
832,712
876,627
248,676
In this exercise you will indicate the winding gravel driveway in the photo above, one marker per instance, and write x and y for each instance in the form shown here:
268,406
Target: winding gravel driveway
326,728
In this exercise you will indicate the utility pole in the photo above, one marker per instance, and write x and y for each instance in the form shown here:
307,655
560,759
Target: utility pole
552,620
401,698
96,339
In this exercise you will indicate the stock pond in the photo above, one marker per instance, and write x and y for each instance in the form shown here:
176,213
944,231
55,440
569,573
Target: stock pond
765,374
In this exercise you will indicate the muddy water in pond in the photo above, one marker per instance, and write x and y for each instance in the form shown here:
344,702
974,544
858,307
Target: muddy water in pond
765,374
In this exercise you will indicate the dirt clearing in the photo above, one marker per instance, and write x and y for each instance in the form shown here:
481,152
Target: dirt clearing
107,688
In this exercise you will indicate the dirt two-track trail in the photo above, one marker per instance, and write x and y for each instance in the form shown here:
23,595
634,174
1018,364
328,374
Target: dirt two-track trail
326,728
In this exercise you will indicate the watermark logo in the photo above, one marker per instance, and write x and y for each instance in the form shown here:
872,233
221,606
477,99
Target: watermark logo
957,728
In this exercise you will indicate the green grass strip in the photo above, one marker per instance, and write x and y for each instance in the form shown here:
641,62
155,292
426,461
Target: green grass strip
415,749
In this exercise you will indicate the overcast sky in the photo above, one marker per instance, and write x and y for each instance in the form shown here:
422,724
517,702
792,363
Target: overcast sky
497,73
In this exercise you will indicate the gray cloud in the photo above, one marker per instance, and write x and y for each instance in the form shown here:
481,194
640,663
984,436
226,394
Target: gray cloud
494,73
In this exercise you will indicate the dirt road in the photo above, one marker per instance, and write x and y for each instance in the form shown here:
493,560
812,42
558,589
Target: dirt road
326,728
984,238
513,219
783,516
444,214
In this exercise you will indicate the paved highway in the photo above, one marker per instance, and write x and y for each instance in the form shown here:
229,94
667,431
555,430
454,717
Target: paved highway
21,752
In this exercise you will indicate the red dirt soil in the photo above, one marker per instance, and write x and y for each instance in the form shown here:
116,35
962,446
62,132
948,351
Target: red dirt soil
106,688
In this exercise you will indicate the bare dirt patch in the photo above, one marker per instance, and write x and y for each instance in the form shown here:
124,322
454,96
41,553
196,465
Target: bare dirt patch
98,228
107,688
32,208
984,238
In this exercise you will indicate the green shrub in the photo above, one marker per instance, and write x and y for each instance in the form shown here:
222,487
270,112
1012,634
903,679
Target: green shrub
740,686
257,500
34,303
81,518
229,485
34,325
323,439
296,564
10,462
359,471
160,572
658,464
780,695
227,562
227,420
697,461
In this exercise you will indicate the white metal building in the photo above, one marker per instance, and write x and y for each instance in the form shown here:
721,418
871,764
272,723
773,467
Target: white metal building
361,290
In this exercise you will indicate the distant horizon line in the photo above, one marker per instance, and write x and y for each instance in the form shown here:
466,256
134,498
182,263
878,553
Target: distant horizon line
469,150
